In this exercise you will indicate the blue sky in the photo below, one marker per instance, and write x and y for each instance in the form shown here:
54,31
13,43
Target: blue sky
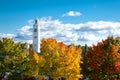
89,21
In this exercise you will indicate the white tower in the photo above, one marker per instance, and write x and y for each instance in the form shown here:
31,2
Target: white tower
36,36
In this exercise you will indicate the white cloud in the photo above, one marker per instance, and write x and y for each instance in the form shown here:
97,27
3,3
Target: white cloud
26,30
24,34
86,36
2,35
72,13
83,33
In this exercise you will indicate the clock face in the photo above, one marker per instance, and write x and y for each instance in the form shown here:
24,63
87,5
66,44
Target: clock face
35,37
35,30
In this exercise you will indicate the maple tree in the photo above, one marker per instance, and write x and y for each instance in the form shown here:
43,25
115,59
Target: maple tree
102,62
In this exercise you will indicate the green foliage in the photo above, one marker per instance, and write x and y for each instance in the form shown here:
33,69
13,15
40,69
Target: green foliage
12,56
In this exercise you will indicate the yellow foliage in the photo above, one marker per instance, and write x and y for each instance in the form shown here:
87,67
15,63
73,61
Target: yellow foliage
41,78
35,60
62,59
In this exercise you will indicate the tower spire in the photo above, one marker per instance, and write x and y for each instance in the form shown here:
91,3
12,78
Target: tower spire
36,21
36,36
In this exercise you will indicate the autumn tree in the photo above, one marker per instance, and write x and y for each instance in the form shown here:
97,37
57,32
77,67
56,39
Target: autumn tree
33,64
102,61
12,56
60,60
70,63
50,54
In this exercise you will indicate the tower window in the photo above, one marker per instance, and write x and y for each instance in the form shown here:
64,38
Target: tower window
35,30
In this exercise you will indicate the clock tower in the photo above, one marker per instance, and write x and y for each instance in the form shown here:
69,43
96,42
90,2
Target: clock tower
36,36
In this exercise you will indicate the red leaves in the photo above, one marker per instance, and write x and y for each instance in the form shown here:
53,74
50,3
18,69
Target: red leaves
104,58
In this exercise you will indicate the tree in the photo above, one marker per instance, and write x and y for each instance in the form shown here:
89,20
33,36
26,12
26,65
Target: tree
60,60
34,62
12,56
84,49
72,61
102,62
50,54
